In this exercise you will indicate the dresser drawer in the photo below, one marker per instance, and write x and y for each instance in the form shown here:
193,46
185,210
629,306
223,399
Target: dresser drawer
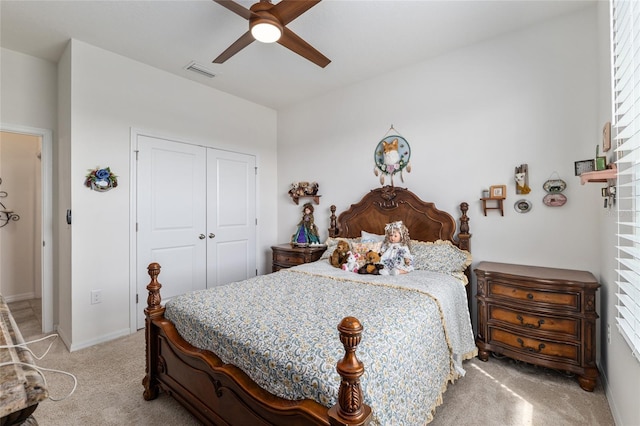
567,300
568,327
541,348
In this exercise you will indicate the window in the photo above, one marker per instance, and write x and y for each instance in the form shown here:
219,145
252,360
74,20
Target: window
625,36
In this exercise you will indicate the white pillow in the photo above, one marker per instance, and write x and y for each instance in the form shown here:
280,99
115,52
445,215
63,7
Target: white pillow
367,237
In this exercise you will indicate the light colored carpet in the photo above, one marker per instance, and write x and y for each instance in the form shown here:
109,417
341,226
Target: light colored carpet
498,392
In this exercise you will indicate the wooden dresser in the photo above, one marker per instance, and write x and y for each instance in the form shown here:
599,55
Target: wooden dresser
543,316
286,256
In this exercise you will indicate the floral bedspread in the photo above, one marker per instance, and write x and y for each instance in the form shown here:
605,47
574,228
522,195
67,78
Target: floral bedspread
280,329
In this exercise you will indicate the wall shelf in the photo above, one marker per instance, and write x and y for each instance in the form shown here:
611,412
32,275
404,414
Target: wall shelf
497,206
316,198
599,176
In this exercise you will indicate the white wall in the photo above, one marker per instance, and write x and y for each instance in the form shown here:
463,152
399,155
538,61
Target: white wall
29,90
111,94
470,117
29,105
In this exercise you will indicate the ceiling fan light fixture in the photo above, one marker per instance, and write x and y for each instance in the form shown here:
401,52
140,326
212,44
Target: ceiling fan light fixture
266,30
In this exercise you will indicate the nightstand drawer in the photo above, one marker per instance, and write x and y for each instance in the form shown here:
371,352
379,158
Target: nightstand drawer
532,321
285,256
556,351
539,297
288,258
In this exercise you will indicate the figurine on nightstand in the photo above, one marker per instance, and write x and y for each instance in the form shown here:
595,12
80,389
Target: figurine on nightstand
307,232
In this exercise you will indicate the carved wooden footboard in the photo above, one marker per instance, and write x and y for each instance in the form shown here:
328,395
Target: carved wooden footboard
218,393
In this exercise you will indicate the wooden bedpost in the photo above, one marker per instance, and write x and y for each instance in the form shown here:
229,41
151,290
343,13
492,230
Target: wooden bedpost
464,236
350,409
333,226
153,310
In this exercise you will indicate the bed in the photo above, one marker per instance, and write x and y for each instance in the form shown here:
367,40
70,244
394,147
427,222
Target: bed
403,338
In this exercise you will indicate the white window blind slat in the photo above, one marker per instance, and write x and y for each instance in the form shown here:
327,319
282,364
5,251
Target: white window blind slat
625,131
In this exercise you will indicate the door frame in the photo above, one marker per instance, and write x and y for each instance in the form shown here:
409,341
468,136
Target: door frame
46,220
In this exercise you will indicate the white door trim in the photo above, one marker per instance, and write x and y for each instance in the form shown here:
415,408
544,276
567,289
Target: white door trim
47,216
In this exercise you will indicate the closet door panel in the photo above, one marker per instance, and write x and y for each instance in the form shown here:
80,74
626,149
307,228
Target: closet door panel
231,217
171,216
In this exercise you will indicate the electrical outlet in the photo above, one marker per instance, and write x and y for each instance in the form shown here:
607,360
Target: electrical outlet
96,296
609,333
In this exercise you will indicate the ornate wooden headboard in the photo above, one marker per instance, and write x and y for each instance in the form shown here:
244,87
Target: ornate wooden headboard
389,204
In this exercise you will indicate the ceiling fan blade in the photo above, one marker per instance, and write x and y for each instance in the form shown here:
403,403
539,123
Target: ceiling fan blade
245,40
235,8
288,10
293,42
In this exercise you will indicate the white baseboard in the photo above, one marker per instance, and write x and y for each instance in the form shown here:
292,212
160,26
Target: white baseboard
19,297
101,339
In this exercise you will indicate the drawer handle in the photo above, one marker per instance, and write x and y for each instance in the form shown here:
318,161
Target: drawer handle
540,322
530,296
529,348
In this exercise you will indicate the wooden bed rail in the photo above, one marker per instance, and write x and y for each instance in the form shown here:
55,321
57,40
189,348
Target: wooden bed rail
350,410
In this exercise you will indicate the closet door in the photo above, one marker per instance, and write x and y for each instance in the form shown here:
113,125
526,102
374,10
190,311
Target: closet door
171,217
196,217
231,217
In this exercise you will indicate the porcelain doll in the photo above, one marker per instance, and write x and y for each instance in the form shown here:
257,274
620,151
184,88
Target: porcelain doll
307,232
396,254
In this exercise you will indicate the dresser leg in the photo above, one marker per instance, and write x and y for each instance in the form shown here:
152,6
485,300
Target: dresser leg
483,355
587,383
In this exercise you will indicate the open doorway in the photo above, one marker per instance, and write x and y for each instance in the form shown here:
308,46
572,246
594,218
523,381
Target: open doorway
26,244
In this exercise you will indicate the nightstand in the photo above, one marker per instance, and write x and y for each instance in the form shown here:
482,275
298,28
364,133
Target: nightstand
543,316
286,256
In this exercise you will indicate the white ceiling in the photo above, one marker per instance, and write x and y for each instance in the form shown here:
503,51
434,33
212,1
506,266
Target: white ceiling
363,38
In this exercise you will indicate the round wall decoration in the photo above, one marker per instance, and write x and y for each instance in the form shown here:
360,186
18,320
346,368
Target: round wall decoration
554,186
522,206
392,156
554,200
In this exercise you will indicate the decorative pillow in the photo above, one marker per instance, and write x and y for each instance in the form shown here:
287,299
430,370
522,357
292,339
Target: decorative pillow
333,242
367,237
362,248
439,256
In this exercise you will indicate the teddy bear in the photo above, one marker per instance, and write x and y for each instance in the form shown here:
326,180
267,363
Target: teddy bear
339,255
372,263
351,265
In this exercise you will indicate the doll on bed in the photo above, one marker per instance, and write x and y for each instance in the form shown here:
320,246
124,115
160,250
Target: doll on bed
396,255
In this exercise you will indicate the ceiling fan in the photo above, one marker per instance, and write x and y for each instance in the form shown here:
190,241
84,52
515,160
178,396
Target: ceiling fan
267,23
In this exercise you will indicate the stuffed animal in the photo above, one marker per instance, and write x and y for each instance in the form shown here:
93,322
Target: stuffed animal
339,255
372,263
351,265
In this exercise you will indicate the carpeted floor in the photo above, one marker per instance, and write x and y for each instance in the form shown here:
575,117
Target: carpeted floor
498,392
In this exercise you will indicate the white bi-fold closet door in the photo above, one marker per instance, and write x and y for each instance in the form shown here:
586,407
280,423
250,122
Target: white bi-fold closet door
196,216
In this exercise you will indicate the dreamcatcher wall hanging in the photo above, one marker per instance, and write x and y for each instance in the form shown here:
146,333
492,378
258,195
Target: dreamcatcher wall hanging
392,156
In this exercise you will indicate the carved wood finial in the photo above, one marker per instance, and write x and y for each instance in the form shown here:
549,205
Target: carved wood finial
350,409
464,219
464,236
333,224
153,299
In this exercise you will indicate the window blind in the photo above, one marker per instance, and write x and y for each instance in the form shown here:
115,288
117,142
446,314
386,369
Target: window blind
625,43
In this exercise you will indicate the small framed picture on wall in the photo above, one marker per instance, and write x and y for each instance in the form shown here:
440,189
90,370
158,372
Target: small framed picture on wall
498,191
606,137
584,166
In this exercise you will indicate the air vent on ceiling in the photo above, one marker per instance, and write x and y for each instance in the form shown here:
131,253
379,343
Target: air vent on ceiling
200,69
